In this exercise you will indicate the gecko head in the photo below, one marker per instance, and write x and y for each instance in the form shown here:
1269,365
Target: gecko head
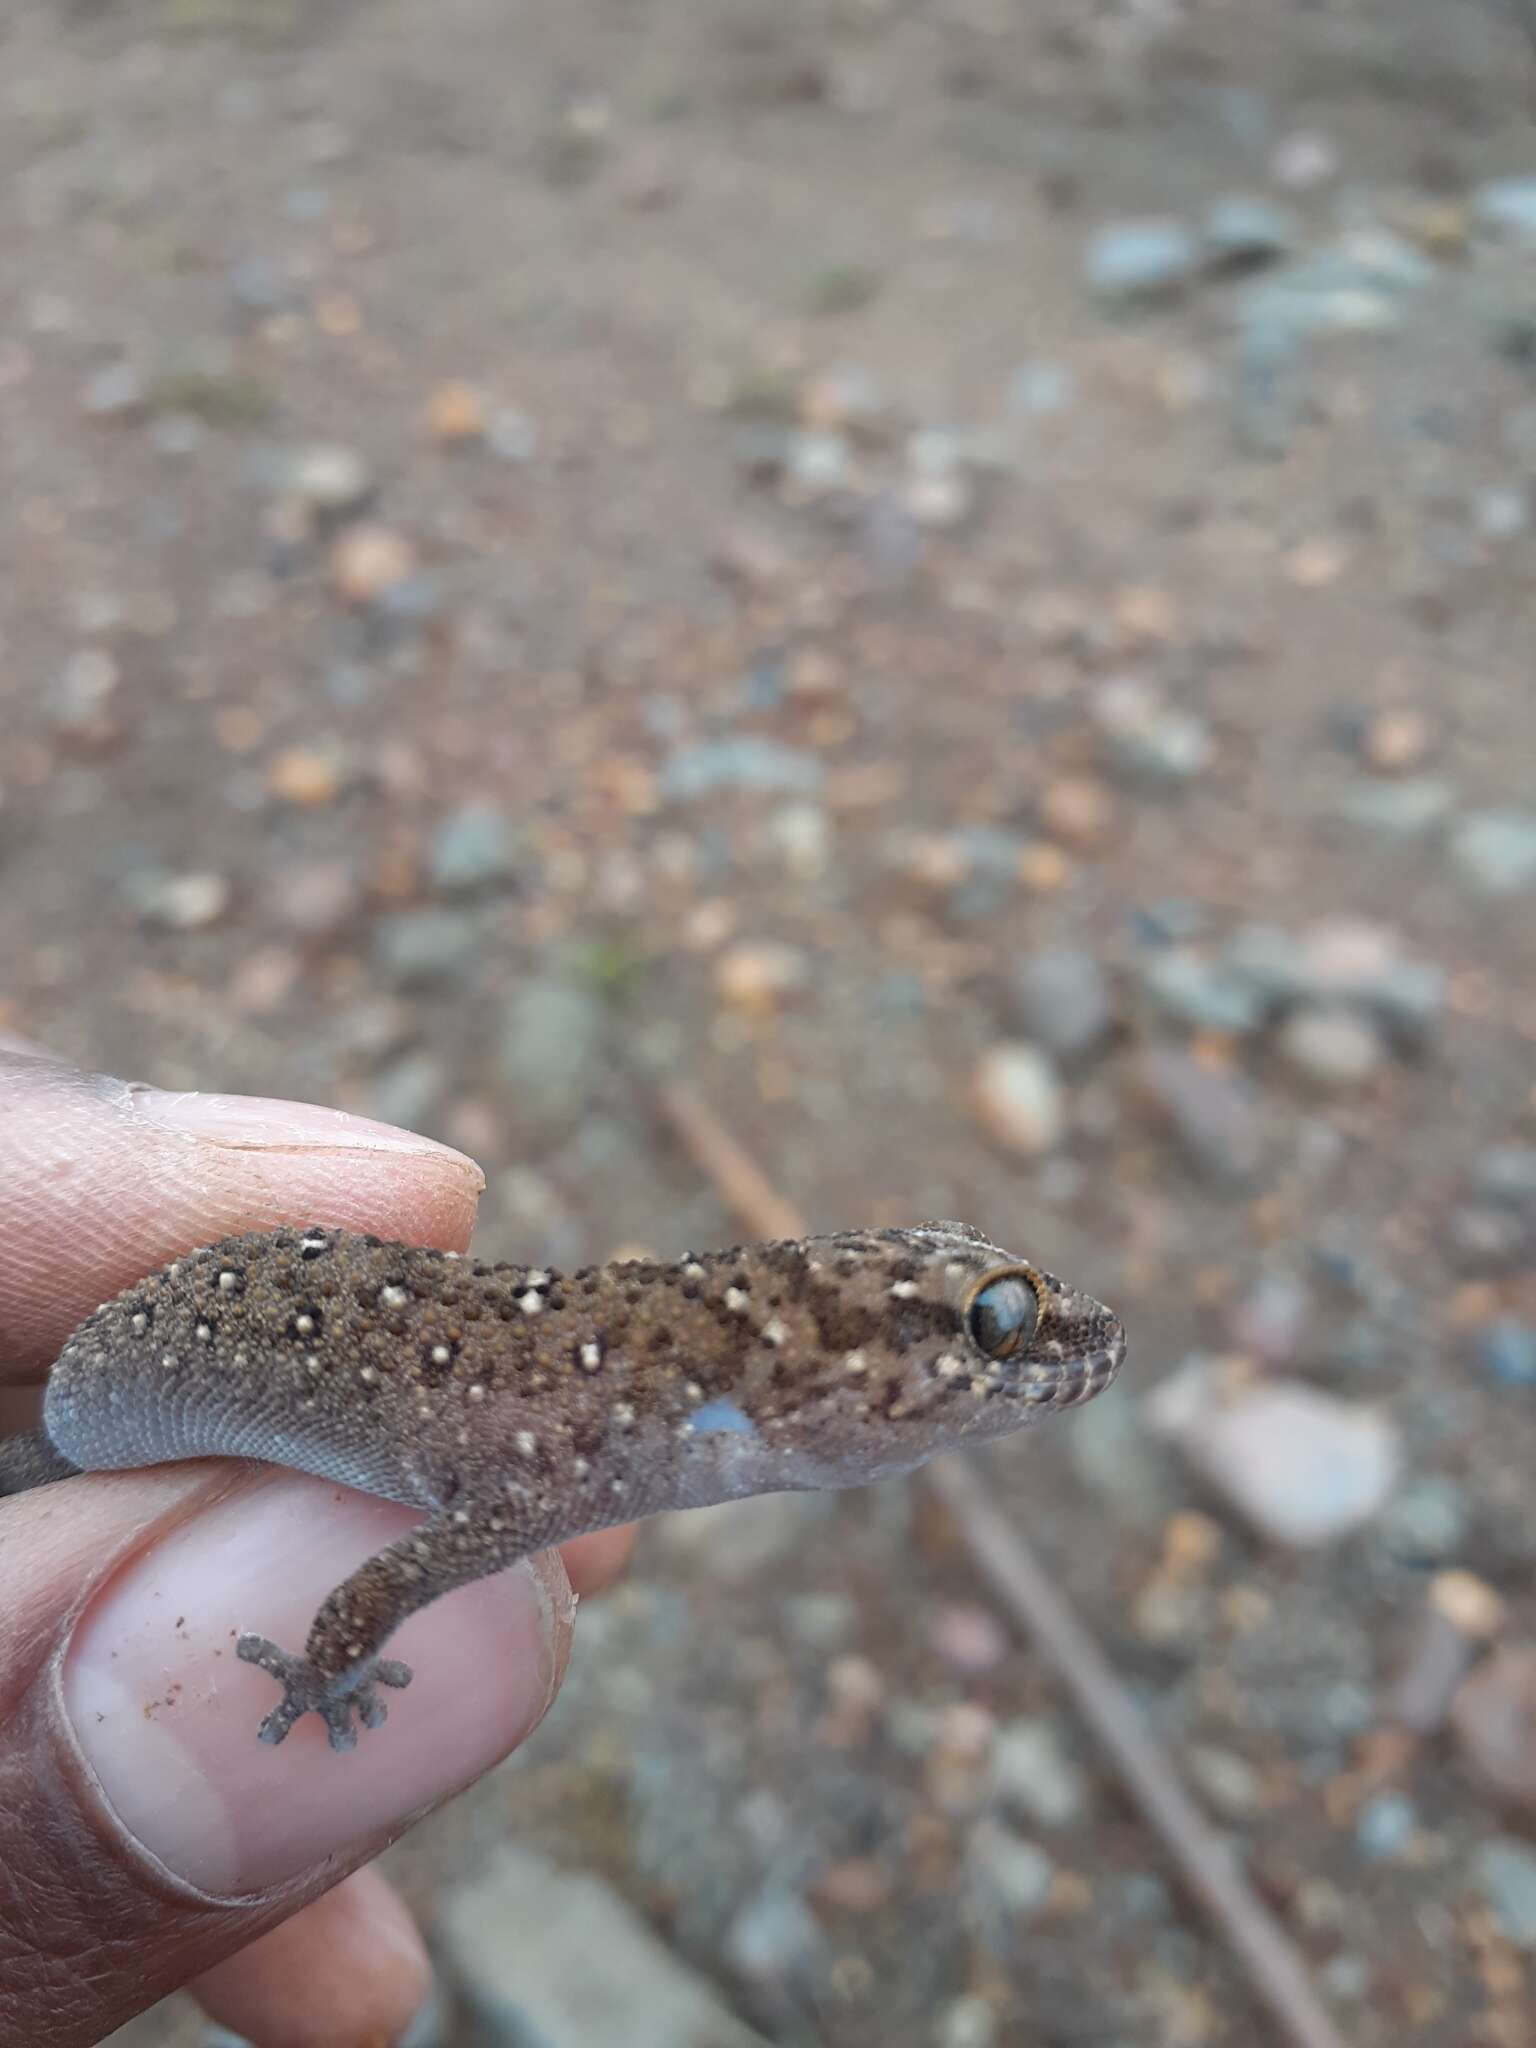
932,1338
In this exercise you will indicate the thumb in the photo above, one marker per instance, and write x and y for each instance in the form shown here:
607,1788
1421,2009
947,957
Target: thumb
145,1834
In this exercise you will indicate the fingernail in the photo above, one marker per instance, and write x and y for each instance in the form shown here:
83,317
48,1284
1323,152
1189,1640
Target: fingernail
166,1716
254,1122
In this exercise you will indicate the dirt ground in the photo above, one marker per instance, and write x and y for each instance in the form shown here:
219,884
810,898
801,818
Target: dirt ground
546,546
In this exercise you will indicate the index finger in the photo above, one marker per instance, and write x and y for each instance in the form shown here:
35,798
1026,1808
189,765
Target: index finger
103,1180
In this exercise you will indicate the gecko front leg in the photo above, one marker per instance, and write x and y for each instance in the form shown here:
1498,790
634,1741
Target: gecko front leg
339,1674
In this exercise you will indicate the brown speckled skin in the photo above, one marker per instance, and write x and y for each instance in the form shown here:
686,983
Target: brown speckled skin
523,1407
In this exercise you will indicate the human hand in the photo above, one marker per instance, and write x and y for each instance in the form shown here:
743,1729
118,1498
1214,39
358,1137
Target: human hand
147,1840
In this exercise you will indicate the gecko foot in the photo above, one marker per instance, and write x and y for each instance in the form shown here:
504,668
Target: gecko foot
335,1699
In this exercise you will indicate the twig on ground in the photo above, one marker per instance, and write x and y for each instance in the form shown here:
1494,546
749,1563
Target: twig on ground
1274,1967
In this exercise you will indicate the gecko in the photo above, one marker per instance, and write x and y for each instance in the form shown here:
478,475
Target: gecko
519,1407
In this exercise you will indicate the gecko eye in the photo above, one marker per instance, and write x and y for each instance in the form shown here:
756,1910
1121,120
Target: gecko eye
1003,1315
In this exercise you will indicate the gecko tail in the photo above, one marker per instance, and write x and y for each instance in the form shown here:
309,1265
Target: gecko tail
31,1460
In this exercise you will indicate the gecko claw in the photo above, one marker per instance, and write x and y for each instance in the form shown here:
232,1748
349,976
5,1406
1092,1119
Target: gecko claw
335,1699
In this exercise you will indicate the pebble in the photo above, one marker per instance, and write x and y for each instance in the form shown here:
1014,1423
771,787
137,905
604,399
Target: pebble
258,287
409,1091
1302,1468
1270,1321
1395,741
317,899
557,1958
1489,1238
1018,1098
474,848
759,977
1506,1351
1202,993
327,477
1038,389
366,560
512,436
80,700
455,413
1505,208
411,947
970,1639
117,391
1242,232
1147,739
743,762
1060,999
1269,388
1079,811
1304,160
1409,809
1214,1117
181,903
1384,1826
1140,262
817,465
1507,1173
1495,851
801,837
1331,1048
1034,1774
1427,1522
1502,511
1008,1880
1505,1871
774,1939
1363,286
846,398
551,1050
299,775
968,2022
1227,1781
1493,1717
938,500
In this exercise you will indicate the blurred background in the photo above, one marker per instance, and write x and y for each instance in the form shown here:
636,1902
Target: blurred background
958,575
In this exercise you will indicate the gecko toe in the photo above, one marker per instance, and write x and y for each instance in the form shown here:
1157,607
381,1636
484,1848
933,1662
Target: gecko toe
341,1701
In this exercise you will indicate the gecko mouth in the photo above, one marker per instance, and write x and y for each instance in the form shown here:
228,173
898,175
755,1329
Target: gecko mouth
1069,1380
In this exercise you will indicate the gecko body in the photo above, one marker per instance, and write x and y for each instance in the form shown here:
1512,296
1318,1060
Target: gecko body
519,1407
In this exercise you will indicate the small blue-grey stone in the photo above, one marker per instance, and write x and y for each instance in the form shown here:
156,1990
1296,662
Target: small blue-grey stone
258,286
1495,851
1507,1173
1428,1520
1506,208
1140,261
1061,999
1038,388
551,1050
1241,232
1505,1870
473,849
426,945
1506,1351
1203,993
1399,810
740,762
1362,287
